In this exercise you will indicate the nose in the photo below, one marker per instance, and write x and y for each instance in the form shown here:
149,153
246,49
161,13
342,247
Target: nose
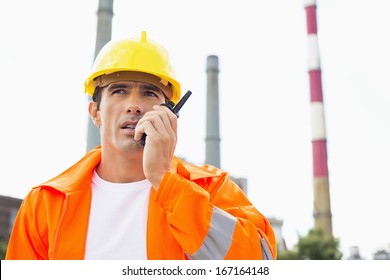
133,105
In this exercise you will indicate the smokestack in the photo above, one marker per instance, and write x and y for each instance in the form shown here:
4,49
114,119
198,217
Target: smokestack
322,214
103,36
212,111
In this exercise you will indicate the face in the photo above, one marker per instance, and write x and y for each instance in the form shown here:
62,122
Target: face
123,104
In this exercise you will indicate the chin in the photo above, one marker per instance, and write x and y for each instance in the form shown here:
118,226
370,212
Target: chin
130,145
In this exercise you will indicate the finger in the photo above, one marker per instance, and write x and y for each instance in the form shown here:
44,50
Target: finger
145,127
172,117
161,119
157,126
169,121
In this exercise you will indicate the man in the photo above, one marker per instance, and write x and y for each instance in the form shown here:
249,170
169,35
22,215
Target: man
123,200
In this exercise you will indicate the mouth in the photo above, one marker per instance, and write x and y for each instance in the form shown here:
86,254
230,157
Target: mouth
128,127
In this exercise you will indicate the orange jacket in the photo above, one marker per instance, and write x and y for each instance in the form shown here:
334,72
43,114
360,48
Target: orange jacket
196,213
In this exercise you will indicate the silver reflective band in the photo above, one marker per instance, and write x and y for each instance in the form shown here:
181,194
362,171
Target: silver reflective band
265,250
218,239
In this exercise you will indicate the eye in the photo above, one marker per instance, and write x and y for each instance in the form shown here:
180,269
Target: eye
150,93
118,91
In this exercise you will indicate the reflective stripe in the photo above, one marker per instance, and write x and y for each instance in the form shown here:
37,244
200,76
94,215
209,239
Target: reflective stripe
218,239
267,255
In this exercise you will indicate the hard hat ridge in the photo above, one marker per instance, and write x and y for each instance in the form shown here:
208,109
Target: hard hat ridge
143,38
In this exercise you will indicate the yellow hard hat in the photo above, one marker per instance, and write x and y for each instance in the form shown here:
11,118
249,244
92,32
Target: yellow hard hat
143,56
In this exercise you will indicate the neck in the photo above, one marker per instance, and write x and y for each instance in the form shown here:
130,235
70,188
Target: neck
121,167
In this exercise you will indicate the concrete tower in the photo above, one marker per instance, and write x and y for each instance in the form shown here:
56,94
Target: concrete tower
322,214
103,35
212,111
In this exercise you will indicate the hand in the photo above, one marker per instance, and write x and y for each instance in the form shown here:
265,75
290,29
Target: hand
160,125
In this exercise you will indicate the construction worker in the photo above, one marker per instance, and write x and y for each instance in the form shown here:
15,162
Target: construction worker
124,200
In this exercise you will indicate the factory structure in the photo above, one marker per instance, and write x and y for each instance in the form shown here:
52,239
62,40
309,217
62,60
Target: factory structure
322,213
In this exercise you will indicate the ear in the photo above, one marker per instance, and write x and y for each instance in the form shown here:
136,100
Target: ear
94,113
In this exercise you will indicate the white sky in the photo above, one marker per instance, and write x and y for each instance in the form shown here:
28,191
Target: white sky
47,51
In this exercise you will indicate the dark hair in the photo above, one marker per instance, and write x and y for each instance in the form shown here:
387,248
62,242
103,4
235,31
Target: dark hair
97,96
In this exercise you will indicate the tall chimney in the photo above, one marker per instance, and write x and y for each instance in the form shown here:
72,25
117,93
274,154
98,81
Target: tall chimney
212,120
103,35
322,214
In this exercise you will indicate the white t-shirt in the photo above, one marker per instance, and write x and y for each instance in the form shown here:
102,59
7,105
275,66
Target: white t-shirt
117,220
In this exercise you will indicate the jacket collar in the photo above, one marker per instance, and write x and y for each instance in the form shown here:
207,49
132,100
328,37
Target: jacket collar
74,178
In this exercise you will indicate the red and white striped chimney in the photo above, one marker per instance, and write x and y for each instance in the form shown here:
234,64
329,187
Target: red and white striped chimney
322,214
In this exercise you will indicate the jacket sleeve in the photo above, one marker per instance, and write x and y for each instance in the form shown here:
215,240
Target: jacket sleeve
26,242
212,218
